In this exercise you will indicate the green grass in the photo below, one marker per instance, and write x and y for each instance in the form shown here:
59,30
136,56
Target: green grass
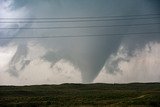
81,95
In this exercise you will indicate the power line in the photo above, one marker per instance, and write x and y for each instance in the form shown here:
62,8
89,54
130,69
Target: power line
88,17
68,27
138,34
84,20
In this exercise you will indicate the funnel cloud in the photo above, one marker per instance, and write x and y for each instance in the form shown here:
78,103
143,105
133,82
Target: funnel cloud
111,39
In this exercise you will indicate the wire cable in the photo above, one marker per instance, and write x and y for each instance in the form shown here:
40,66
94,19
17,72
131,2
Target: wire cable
88,17
84,20
73,27
138,34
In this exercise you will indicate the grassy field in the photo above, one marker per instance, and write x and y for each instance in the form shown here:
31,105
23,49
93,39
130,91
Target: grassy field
81,95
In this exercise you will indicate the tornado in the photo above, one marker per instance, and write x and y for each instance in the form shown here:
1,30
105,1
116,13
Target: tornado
86,32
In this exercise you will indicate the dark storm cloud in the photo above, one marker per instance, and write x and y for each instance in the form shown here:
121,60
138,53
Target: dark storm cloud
89,54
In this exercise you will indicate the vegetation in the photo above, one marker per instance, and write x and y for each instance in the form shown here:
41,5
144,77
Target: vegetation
81,95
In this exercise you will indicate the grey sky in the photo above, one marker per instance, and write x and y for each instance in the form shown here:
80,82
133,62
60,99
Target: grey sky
88,54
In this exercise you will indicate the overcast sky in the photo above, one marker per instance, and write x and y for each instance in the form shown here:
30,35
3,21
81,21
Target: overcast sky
114,41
